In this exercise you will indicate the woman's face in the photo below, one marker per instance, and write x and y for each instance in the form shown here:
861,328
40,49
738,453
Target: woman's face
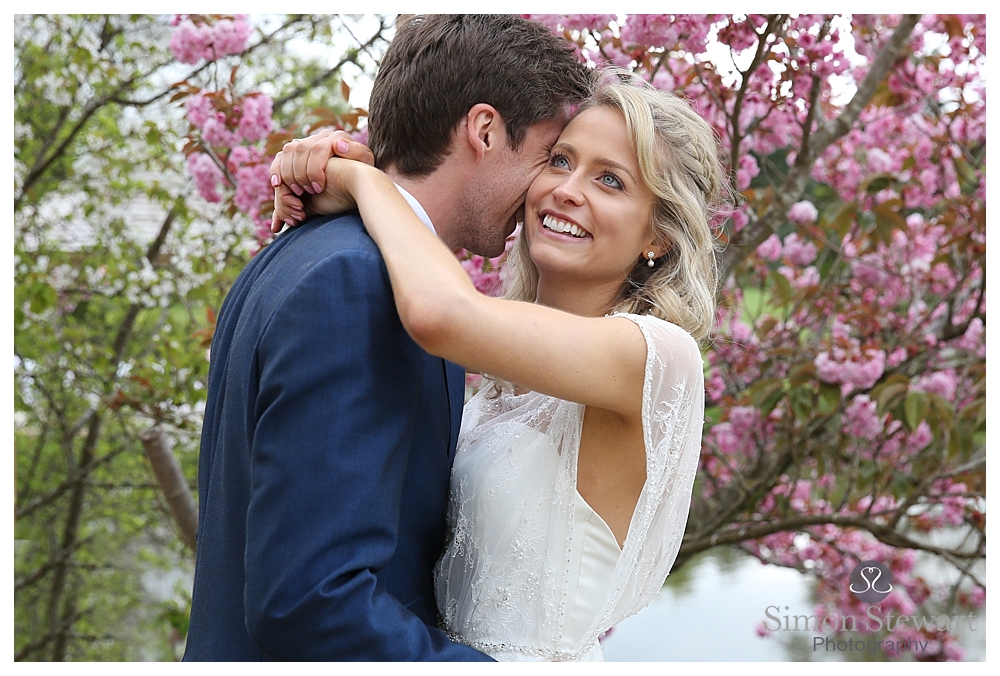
587,215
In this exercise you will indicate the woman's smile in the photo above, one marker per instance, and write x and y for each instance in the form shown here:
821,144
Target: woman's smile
562,227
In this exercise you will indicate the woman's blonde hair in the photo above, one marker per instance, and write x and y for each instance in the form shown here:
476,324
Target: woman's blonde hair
678,159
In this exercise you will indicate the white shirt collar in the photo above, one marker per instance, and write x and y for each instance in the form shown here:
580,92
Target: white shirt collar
417,209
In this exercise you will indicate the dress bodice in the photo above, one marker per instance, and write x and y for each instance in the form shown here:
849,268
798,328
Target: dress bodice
530,571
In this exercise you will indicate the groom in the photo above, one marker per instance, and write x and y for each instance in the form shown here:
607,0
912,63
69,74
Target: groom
329,434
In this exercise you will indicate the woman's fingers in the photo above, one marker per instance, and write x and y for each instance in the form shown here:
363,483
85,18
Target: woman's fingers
288,209
301,164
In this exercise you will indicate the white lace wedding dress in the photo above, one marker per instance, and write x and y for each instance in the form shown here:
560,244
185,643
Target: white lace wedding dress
530,571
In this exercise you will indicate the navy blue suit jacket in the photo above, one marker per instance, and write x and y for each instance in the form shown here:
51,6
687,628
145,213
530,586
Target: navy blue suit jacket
325,460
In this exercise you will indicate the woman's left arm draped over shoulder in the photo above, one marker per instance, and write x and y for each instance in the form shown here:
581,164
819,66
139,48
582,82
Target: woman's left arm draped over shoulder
593,361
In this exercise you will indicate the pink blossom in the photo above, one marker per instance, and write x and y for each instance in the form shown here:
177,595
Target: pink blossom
198,108
748,168
207,176
361,135
253,188
803,212
485,277
217,133
576,22
807,277
799,250
972,339
860,369
255,122
657,30
896,357
190,42
861,419
230,36
664,80
770,248
919,438
942,383
715,386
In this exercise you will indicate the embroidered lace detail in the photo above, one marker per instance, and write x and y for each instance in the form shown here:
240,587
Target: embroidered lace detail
503,582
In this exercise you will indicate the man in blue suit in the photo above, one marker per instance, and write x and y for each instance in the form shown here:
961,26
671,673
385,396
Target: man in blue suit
329,434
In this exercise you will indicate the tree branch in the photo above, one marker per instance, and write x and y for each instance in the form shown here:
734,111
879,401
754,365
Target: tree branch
173,484
795,182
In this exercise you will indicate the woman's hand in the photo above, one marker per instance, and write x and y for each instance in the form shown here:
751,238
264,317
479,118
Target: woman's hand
300,177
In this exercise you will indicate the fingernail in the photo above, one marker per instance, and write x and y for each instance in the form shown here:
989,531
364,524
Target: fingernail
316,188
297,190
275,181
290,222
342,146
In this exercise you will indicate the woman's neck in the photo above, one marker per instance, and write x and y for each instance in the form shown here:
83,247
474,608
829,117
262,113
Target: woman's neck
581,298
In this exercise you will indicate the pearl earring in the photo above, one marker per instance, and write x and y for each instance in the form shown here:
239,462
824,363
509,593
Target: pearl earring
651,255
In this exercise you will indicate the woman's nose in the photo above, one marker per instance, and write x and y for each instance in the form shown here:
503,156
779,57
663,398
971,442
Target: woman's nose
569,190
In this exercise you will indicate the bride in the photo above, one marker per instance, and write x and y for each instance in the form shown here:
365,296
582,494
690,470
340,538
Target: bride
573,477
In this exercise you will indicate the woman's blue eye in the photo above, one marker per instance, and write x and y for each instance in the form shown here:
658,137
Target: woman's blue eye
559,161
612,181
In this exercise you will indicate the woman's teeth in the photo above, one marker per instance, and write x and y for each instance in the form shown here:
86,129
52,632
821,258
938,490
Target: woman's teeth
554,224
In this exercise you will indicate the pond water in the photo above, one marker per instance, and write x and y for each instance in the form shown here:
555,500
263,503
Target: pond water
710,609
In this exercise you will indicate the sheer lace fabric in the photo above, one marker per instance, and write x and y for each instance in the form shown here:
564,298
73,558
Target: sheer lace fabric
509,579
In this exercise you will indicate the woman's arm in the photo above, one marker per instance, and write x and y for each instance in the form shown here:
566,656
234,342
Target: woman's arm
594,361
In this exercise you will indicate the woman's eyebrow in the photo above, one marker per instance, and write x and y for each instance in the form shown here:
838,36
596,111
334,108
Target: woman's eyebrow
611,164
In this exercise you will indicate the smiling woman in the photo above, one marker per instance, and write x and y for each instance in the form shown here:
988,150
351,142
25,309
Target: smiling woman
574,469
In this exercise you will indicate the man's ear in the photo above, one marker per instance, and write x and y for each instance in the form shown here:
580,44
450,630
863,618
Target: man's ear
484,129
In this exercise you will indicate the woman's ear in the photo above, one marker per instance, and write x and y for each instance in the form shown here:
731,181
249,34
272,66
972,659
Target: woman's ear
657,248
484,129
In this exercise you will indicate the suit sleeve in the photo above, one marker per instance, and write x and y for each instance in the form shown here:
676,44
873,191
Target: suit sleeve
338,394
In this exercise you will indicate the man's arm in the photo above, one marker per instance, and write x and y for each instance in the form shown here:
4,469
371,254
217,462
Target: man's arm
331,437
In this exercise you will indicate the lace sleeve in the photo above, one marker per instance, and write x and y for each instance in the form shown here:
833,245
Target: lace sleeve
673,412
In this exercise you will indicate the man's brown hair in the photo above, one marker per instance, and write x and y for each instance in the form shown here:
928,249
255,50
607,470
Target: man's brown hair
438,66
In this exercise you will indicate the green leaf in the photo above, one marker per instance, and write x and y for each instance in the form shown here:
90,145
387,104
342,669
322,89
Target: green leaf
766,394
782,288
842,216
888,219
43,298
941,409
802,373
829,398
916,407
888,393
803,400
877,183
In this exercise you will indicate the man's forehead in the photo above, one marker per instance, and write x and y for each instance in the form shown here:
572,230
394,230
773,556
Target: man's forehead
547,131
